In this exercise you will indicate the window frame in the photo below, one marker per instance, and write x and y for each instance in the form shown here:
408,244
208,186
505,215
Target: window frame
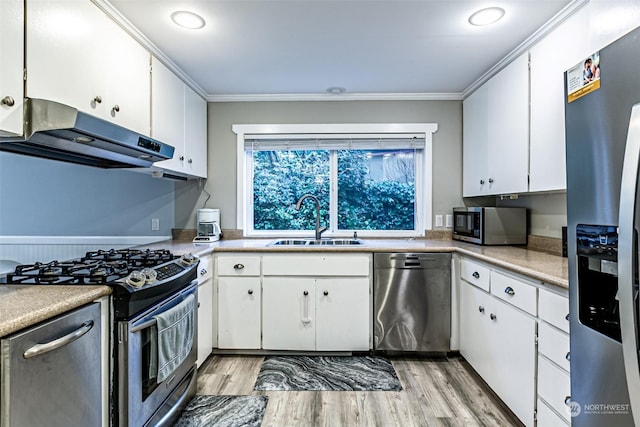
423,183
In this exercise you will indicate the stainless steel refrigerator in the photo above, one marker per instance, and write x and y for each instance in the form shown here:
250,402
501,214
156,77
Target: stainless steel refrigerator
602,113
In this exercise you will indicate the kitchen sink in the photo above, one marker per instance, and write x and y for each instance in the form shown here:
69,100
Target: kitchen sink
313,242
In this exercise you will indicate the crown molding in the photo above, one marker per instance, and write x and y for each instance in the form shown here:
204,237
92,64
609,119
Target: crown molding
453,96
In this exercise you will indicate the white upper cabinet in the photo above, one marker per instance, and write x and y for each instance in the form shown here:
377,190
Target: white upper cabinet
179,118
496,133
11,71
561,49
78,56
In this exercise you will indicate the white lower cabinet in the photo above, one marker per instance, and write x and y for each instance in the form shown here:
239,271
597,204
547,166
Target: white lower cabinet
239,312
205,309
498,341
325,314
239,302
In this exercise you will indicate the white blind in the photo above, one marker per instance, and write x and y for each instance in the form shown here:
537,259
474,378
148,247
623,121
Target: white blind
272,142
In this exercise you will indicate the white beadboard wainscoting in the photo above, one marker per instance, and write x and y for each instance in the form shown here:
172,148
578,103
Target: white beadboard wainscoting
29,249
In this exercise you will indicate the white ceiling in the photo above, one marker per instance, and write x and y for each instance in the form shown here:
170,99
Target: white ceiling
298,47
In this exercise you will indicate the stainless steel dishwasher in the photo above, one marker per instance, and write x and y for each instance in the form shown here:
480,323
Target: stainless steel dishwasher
412,302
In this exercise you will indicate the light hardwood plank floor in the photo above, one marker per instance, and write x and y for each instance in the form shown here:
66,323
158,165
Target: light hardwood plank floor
436,392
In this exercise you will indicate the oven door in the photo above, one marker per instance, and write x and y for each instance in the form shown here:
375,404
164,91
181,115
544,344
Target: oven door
467,225
140,397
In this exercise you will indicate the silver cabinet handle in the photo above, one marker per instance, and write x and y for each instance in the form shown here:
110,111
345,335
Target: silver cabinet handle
490,180
198,304
493,316
481,309
115,109
509,291
305,309
60,342
181,158
190,160
8,101
566,317
97,99
250,291
568,356
476,275
203,271
325,293
238,266
567,400
482,182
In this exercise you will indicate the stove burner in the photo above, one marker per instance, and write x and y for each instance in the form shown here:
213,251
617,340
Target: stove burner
94,268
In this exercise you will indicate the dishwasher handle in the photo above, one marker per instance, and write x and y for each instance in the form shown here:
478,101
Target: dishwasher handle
39,349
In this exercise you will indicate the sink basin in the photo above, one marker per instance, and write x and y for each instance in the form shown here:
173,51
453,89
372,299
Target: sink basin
313,242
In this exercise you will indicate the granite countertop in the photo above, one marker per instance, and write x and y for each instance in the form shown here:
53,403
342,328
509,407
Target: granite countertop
551,269
22,306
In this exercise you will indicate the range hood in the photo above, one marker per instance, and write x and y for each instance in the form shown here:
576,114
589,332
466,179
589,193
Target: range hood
60,132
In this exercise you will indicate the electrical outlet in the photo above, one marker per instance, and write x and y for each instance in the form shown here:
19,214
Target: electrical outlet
438,220
155,224
449,221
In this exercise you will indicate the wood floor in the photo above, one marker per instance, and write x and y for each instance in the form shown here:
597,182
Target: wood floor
436,392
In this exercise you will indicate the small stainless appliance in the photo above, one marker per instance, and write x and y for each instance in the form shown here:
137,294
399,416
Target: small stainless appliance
412,302
208,226
146,283
490,226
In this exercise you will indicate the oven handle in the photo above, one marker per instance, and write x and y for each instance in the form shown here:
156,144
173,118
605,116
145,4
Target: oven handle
149,320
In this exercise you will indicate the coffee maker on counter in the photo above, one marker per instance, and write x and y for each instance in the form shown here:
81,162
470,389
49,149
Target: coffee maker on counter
208,228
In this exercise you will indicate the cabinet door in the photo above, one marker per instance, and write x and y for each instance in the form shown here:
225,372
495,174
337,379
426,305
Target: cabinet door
65,53
558,51
239,312
195,133
508,112
475,335
127,77
342,314
11,67
513,356
475,140
205,320
167,112
288,311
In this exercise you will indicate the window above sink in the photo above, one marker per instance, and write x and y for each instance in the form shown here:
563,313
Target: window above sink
371,178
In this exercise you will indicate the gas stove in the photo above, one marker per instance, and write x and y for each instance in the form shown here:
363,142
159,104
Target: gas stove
139,278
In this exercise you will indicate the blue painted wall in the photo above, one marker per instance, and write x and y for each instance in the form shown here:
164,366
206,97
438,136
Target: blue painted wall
41,197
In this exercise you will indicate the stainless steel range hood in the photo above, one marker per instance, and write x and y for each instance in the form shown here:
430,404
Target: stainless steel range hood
59,132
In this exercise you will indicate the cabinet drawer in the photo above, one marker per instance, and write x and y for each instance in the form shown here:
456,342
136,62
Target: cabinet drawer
239,266
316,265
475,273
548,418
554,309
554,386
554,344
514,291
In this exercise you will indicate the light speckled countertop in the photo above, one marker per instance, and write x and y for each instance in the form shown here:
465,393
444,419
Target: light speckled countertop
551,269
24,305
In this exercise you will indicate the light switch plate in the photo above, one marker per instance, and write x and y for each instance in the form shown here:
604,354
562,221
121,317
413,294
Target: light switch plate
438,220
155,224
449,221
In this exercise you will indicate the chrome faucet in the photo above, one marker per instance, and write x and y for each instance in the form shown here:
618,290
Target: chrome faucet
319,230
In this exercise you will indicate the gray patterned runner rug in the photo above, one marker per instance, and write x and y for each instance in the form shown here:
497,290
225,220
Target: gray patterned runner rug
332,373
223,411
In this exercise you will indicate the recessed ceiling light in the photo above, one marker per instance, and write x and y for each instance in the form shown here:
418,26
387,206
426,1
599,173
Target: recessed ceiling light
486,16
336,90
188,20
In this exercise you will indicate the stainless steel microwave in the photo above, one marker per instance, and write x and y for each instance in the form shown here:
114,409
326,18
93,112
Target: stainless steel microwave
490,226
